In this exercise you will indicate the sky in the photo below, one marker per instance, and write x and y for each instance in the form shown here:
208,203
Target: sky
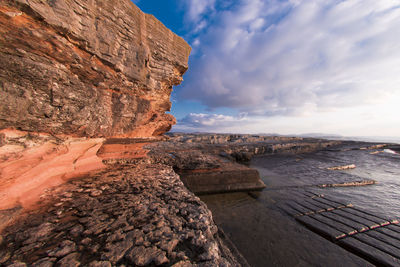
287,66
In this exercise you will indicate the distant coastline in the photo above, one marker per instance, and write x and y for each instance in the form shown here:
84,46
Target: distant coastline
370,139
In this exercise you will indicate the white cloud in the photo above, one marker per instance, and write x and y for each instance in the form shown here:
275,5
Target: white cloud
272,57
196,9
200,120
348,121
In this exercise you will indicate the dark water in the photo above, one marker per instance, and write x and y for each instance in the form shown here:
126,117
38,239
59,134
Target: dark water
268,237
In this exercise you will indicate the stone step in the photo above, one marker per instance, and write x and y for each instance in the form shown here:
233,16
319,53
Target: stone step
321,228
289,210
327,207
328,203
381,234
309,205
387,231
350,223
334,224
362,214
378,244
361,220
337,202
394,227
301,209
368,252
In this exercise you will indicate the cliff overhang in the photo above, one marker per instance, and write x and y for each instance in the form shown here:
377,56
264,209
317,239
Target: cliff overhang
87,68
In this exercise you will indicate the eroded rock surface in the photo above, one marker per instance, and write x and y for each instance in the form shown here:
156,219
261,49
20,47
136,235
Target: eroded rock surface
212,163
87,68
138,216
31,163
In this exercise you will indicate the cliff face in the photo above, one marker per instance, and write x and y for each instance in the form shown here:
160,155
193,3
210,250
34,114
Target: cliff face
73,69
87,68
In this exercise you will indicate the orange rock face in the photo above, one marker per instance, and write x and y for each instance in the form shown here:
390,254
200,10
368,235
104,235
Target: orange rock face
87,68
29,165
73,73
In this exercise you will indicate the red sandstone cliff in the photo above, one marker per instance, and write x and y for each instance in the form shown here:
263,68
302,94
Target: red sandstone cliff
71,70
87,68
73,74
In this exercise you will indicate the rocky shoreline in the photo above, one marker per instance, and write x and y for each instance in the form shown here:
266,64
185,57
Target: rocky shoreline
136,210
87,177
124,216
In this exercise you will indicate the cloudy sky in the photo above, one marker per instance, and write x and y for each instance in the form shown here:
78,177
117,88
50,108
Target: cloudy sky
287,66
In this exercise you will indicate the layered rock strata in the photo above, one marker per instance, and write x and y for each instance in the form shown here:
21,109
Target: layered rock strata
71,73
125,216
135,211
31,163
87,68
213,163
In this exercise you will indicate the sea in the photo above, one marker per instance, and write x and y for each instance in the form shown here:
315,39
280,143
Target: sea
267,236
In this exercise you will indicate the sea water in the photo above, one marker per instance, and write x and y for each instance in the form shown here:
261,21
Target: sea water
268,237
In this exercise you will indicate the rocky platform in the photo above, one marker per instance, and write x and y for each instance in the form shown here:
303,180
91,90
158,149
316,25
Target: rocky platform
372,237
133,208
126,215
215,163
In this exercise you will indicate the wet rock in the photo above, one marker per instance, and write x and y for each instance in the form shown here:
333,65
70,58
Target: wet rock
344,167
